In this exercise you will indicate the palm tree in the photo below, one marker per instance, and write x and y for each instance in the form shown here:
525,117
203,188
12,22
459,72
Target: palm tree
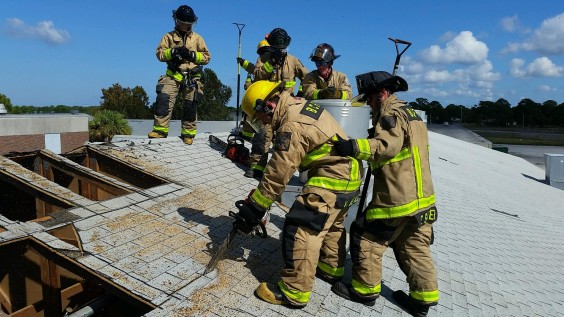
106,124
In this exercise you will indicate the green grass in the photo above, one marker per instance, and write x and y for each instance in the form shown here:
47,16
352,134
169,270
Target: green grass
516,141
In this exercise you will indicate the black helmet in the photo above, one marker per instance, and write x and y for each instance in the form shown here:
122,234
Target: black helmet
370,82
323,52
184,14
278,38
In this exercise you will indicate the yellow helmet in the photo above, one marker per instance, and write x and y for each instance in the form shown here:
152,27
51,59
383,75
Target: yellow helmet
259,91
261,44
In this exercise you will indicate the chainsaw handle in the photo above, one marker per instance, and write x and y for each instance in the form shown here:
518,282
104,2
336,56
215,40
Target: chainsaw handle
261,233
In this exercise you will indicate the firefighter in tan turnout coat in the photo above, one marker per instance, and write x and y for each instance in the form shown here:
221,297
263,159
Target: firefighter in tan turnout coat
325,82
275,66
313,237
402,209
184,51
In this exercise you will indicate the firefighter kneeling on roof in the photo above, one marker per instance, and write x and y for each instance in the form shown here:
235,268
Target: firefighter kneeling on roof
313,238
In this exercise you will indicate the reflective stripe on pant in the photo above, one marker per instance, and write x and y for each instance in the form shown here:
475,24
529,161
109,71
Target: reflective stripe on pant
313,229
167,92
411,246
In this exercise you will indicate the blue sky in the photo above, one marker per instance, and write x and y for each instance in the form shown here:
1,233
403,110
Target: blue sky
64,52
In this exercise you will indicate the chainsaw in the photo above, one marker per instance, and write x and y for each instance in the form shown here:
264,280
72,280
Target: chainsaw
234,149
259,230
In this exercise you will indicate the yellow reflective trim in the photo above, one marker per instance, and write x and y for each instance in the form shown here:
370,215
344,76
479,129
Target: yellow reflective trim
315,93
245,63
258,167
399,211
168,54
199,57
161,129
290,84
364,289
418,172
300,297
176,76
341,185
191,132
300,88
345,96
333,271
248,134
432,296
315,155
405,153
268,68
261,200
354,169
364,152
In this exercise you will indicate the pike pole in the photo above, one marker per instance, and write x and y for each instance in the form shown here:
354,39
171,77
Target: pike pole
240,27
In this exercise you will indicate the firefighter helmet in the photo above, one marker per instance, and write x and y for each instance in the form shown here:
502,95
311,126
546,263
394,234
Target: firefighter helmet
369,83
184,14
262,46
278,38
324,53
256,94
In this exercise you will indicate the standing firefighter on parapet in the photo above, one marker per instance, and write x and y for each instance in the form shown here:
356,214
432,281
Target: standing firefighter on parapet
184,51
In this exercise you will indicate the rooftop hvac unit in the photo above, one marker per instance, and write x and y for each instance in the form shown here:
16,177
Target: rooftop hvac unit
3,109
554,169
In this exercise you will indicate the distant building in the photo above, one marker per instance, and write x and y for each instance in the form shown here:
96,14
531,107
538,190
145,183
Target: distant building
58,133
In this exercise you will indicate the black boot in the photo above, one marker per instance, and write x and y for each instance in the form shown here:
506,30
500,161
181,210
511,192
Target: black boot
346,292
410,305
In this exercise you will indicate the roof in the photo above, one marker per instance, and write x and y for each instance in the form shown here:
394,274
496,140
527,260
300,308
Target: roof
498,239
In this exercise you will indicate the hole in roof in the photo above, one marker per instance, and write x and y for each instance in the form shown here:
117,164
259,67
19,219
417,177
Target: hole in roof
41,282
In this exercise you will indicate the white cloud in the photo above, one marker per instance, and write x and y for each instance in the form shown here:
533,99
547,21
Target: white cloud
548,39
463,48
540,67
44,30
510,24
545,88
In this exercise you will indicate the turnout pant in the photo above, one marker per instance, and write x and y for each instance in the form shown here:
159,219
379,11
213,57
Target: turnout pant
313,236
411,243
168,90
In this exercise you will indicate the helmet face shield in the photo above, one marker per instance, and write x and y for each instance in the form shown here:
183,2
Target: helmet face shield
323,53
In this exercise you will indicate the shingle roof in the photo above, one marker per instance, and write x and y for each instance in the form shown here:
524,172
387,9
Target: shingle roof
498,240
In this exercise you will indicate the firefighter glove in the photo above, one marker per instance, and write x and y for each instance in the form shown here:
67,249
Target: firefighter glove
344,147
184,53
330,93
249,216
240,61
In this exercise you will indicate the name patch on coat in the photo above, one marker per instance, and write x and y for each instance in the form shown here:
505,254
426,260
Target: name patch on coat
312,110
411,114
282,141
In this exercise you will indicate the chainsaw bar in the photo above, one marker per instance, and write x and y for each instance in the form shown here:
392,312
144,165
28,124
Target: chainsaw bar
221,251
217,141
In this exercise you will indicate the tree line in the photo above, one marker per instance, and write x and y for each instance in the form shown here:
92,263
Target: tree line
527,113
133,103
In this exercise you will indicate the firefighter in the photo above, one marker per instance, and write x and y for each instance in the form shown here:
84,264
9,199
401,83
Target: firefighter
325,82
402,209
275,66
184,51
313,238
250,127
